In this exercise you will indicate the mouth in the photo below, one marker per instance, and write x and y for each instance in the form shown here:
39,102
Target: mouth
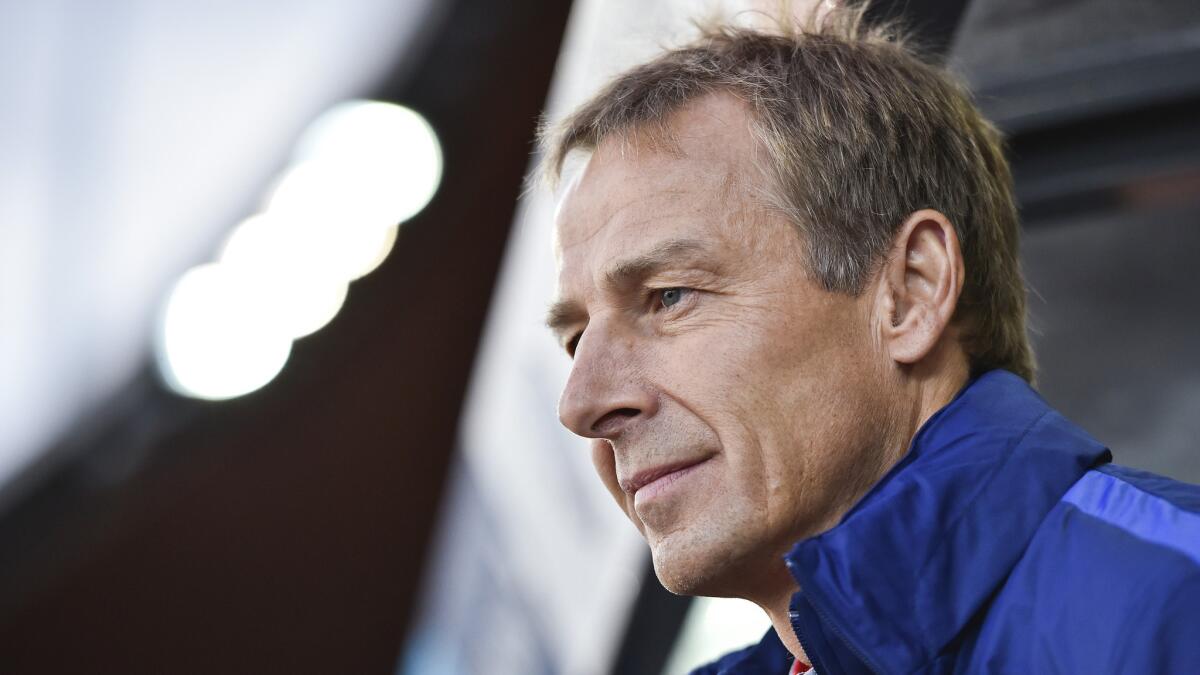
660,476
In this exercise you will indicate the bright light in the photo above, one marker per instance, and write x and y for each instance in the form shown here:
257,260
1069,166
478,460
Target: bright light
383,248
385,154
360,170
215,340
329,221
289,265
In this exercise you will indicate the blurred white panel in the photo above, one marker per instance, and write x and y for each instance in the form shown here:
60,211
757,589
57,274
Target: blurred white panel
134,134
714,627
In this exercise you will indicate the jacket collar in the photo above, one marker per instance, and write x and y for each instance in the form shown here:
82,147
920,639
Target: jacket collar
921,554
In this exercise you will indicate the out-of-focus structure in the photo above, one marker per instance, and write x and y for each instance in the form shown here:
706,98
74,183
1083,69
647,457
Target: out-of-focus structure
331,446
145,530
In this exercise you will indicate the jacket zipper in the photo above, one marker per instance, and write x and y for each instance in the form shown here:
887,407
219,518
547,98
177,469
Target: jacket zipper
841,635
808,653
795,619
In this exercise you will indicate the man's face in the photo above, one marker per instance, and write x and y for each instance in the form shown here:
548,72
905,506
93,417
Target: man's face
733,403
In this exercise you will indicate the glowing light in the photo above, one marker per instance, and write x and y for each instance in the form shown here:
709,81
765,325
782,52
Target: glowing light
387,155
360,170
333,226
290,266
382,249
215,340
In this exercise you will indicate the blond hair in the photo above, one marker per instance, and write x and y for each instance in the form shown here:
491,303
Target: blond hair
859,129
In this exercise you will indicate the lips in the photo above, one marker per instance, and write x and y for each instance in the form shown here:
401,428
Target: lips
643,478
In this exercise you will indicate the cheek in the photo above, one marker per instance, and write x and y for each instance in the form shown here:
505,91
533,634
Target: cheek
765,387
606,466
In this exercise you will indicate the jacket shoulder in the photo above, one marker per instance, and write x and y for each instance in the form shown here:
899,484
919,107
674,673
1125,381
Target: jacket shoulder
1184,496
1154,513
1109,583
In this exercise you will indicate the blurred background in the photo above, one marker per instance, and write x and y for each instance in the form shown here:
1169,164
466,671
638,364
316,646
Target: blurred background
276,393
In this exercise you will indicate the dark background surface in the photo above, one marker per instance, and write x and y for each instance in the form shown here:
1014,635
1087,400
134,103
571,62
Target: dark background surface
1100,101
284,532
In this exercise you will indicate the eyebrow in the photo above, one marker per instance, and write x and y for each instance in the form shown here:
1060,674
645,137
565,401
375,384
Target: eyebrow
562,314
666,254
624,273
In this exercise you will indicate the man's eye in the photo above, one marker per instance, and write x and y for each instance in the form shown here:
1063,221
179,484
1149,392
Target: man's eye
572,343
670,296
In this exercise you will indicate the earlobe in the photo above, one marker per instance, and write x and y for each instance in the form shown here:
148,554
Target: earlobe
920,284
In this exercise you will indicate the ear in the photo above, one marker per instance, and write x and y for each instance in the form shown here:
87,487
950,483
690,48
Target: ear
919,286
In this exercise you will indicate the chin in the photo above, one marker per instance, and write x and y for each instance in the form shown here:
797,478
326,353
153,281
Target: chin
681,581
690,565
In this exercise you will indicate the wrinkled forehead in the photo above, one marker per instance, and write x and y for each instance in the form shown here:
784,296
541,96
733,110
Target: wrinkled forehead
615,201
693,174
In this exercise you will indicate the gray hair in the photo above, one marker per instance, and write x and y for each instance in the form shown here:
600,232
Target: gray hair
859,129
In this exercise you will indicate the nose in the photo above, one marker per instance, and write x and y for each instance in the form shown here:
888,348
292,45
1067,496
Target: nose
607,390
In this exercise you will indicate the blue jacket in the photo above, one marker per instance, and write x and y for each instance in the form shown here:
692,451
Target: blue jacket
1004,542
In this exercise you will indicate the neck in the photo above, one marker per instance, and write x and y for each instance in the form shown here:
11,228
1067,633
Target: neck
777,611
928,395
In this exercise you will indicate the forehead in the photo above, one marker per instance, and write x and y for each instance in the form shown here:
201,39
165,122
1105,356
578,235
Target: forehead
635,191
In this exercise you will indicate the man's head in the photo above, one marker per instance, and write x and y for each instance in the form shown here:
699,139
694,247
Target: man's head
783,252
